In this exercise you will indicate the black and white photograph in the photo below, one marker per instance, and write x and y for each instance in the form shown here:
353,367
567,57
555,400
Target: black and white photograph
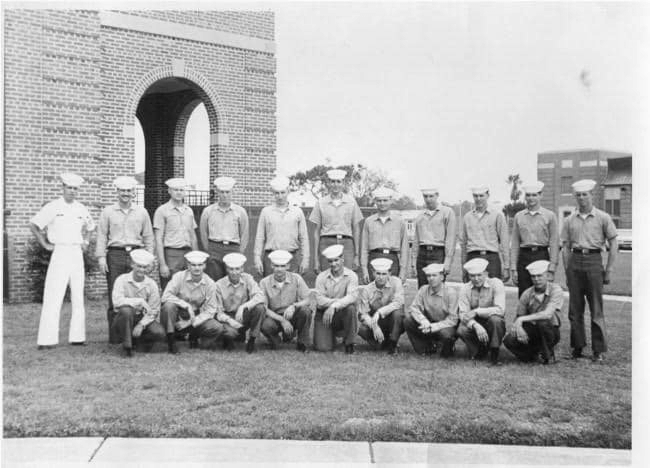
325,233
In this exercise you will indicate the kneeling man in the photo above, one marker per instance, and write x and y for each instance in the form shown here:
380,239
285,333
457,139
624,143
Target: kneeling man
288,303
189,305
536,330
336,297
136,300
381,307
481,306
241,304
433,316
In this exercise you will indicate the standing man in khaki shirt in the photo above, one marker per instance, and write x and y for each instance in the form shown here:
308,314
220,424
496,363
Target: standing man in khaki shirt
223,228
384,236
584,236
281,227
484,234
535,236
123,227
381,307
482,308
174,228
435,235
337,217
289,303
336,298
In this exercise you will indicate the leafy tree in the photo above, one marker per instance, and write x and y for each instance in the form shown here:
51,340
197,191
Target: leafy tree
359,182
515,205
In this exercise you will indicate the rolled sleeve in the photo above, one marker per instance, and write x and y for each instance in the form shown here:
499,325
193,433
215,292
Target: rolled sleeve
450,238
417,307
351,292
451,320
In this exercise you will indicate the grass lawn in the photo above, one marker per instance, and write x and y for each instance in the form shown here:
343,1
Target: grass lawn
93,391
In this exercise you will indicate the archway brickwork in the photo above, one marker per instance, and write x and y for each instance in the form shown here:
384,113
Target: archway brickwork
74,81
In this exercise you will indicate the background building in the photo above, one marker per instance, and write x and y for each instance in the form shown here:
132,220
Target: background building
610,169
76,81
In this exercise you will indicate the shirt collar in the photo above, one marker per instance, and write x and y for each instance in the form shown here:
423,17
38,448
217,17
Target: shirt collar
486,284
387,217
132,280
432,212
339,200
277,284
432,293
181,207
188,278
281,209
487,210
534,212
331,276
117,207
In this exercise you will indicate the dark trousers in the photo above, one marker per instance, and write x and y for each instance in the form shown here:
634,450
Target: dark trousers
175,260
118,262
348,250
125,319
252,322
426,256
494,265
392,326
293,264
207,332
542,338
215,268
496,329
585,280
422,342
394,268
526,257
343,323
301,322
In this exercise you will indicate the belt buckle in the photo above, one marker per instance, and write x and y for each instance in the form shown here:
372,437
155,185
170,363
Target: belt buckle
585,251
385,251
339,237
483,252
534,249
226,242
128,248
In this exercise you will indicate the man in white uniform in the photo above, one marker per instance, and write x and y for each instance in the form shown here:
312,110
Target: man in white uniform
67,223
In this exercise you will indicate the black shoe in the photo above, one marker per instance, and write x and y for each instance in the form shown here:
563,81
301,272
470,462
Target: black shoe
228,344
301,347
45,347
250,345
481,353
194,343
576,353
128,352
546,360
349,349
391,346
172,348
78,343
494,357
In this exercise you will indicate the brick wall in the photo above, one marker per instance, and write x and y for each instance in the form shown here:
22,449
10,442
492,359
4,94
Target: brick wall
72,90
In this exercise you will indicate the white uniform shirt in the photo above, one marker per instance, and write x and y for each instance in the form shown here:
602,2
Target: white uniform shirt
64,221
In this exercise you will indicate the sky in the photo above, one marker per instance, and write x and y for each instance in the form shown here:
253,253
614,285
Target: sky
452,95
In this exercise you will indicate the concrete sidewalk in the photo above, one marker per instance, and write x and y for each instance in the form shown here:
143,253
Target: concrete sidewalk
122,452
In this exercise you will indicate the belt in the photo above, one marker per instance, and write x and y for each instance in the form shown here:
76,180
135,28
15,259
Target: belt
337,236
268,251
432,247
385,251
586,251
126,248
482,252
223,242
179,248
534,248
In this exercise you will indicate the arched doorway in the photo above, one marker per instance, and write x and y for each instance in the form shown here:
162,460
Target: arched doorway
163,112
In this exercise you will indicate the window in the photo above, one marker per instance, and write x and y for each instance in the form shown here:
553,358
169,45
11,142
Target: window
613,207
565,184
613,203
567,163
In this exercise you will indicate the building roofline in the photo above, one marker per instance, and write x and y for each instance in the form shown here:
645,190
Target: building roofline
586,150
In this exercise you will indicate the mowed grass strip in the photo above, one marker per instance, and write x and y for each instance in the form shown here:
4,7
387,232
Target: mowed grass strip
93,391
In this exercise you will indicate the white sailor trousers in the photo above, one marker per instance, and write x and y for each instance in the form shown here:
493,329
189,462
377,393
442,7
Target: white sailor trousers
66,267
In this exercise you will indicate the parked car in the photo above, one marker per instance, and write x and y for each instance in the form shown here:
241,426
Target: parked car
624,239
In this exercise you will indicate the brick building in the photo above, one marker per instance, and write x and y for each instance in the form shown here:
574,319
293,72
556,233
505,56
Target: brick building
76,80
611,170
